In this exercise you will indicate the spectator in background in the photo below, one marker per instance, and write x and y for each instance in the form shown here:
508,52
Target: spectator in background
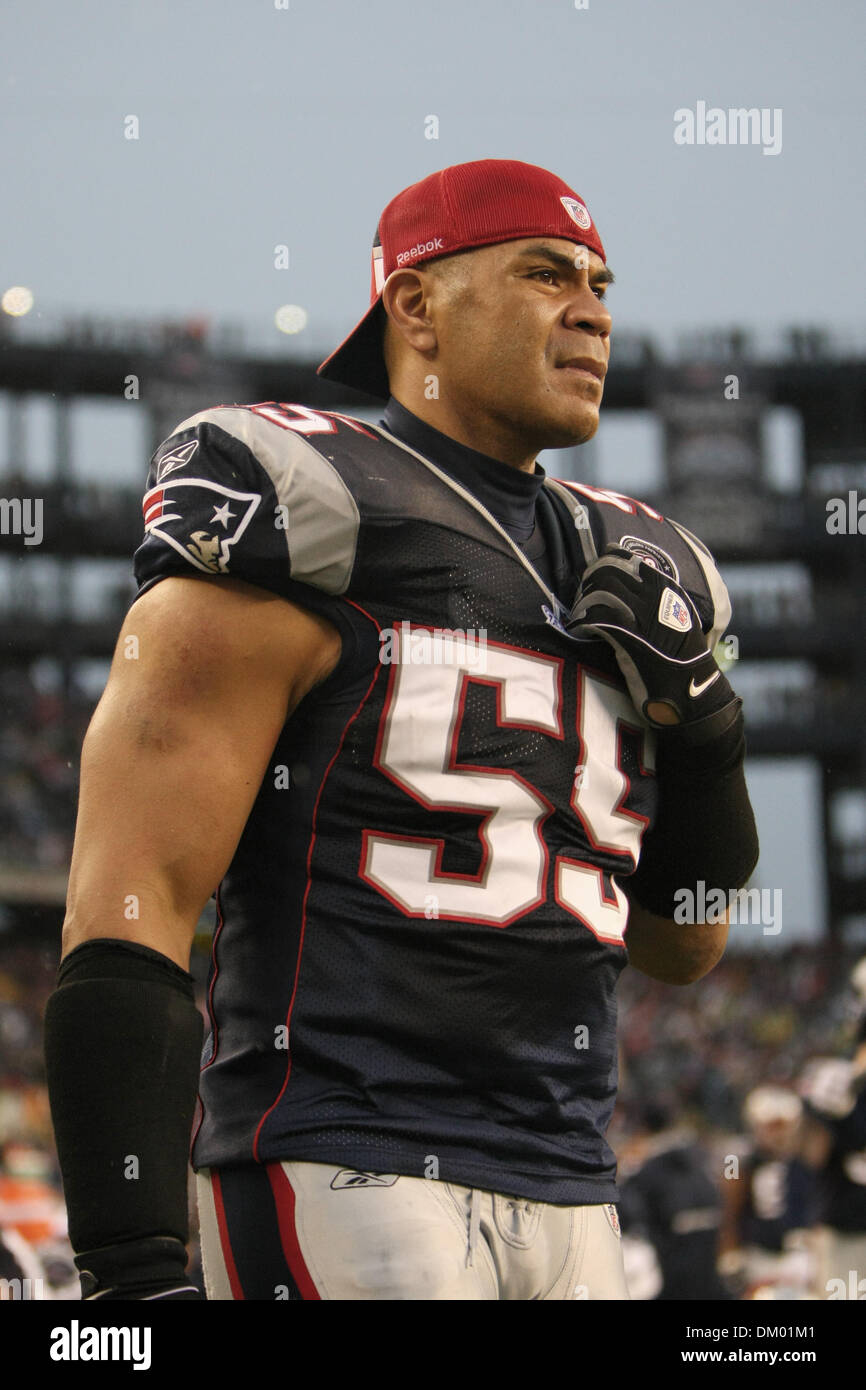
40,742
32,1224
770,1200
834,1090
673,1202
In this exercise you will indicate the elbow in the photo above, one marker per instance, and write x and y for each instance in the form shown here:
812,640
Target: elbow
671,952
689,972
682,972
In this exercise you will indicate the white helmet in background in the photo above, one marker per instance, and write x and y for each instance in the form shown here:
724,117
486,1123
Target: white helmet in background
826,1084
767,1105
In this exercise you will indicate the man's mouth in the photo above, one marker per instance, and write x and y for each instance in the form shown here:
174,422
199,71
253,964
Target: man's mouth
584,366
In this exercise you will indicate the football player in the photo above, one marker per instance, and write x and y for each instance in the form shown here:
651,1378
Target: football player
672,1201
834,1091
770,1204
435,729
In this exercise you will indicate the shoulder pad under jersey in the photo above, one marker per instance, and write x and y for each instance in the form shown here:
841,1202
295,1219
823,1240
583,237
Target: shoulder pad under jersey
603,517
237,490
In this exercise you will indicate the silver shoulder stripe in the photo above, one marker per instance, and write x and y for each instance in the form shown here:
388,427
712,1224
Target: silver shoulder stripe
580,516
322,527
715,583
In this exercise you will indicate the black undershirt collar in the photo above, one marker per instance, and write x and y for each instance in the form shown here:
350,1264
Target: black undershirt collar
508,494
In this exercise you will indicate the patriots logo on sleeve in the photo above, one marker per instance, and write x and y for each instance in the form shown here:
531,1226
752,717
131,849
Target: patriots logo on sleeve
199,519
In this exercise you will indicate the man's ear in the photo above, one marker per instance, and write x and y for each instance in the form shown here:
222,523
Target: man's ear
406,300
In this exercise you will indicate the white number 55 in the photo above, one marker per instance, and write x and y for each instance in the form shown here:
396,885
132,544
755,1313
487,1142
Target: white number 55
417,750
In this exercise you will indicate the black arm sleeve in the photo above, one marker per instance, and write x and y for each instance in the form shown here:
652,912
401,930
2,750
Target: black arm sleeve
705,829
122,1048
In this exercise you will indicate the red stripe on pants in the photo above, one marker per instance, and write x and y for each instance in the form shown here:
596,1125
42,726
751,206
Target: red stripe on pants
225,1244
284,1200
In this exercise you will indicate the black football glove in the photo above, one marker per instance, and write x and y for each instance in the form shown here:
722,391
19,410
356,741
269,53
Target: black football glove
655,632
151,1269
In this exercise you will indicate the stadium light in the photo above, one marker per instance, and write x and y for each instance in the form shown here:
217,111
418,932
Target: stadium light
17,301
291,318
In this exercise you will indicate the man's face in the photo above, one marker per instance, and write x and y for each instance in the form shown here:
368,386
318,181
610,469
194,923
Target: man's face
778,1136
523,339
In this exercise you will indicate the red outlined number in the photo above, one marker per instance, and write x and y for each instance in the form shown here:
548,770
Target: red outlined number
417,750
598,797
301,420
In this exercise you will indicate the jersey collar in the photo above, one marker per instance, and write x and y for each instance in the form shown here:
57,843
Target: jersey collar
507,493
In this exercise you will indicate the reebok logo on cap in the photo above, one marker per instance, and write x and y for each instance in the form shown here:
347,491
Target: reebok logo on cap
427,248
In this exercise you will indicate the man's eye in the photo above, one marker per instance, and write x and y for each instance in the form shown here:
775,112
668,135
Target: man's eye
599,291
552,273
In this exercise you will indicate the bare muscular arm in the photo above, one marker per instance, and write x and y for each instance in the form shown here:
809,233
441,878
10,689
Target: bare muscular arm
177,749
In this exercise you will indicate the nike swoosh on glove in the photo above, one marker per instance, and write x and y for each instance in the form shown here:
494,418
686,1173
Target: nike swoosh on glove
151,1269
655,632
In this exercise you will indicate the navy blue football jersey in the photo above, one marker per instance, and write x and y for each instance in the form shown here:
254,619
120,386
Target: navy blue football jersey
421,930
675,1204
780,1198
836,1096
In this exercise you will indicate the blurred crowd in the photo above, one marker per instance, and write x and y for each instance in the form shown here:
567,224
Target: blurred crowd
741,1130
736,1095
754,1017
41,732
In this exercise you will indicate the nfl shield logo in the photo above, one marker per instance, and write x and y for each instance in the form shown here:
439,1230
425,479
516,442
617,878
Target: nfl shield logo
613,1217
674,612
577,212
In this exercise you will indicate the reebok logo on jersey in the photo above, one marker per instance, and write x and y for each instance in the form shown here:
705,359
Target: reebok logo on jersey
422,249
178,458
352,1177
673,612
